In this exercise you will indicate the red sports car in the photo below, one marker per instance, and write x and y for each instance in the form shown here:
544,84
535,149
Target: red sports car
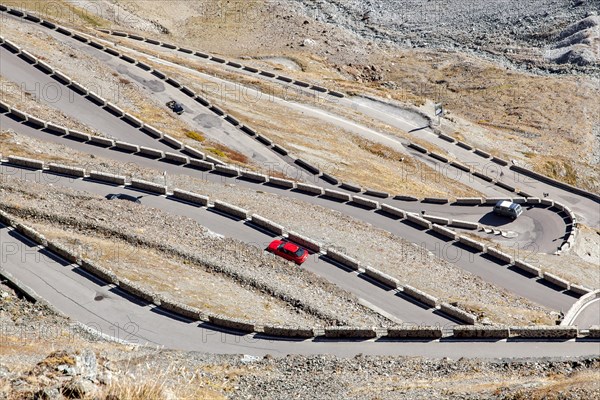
289,251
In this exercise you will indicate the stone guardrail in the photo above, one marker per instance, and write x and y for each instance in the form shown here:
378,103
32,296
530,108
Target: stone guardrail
236,212
394,212
404,332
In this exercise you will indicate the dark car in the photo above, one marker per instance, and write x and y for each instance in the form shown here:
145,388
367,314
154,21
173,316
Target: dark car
289,251
121,196
176,107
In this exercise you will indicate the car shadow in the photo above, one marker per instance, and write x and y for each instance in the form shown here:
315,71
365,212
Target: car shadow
493,219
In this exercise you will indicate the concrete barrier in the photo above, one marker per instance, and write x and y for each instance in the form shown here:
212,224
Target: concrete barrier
414,332
289,332
26,162
420,149
137,291
218,60
159,74
250,69
253,176
267,224
493,200
172,142
418,221
446,138
304,241
302,84
148,186
284,79
559,206
195,153
176,158
500,161
56,129
96,98
533,200
128,147
460,166
100,141
472,243
201,164
505,186
10,46
334,194
35,122
310,189
153,153
267,74
109,178
173,82
528,268
493,252
4,107
376,193
96,45
114,109
547,332
75,86
482,153
48,24
27,56
201,55
436,220
152,131
169,46
112,52
318,89
264,140
281,150
143,66
227,170
232,210
555,280
457,223
382,278
19,114
343,259
449,233
31,234
99,272
364,202
458,313
328,178
351,187
132,120
482,176
438,157
191,197
307,166
579,289
594,332
420,296
152,41
335,94
66,170
248,130
435,200
63,252
231,323
284,183
180,309
464,145
396,212
80,38
481,332
348,332
547,202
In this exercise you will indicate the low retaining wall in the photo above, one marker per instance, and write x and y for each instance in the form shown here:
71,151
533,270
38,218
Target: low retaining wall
528,268
66,170
480,332
191,197
304,241
148,186
283,183
555,280
457,223
343,259
458,313
227,208
310,189
372,204
253,176
436,220
137,291
415,332
99,272
231,323
109,178
449,233
393,211
181,309
418,220
382,278
289,332
420,296
472,243
26,162
499,255
267,224
340,332
334,194
549,332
